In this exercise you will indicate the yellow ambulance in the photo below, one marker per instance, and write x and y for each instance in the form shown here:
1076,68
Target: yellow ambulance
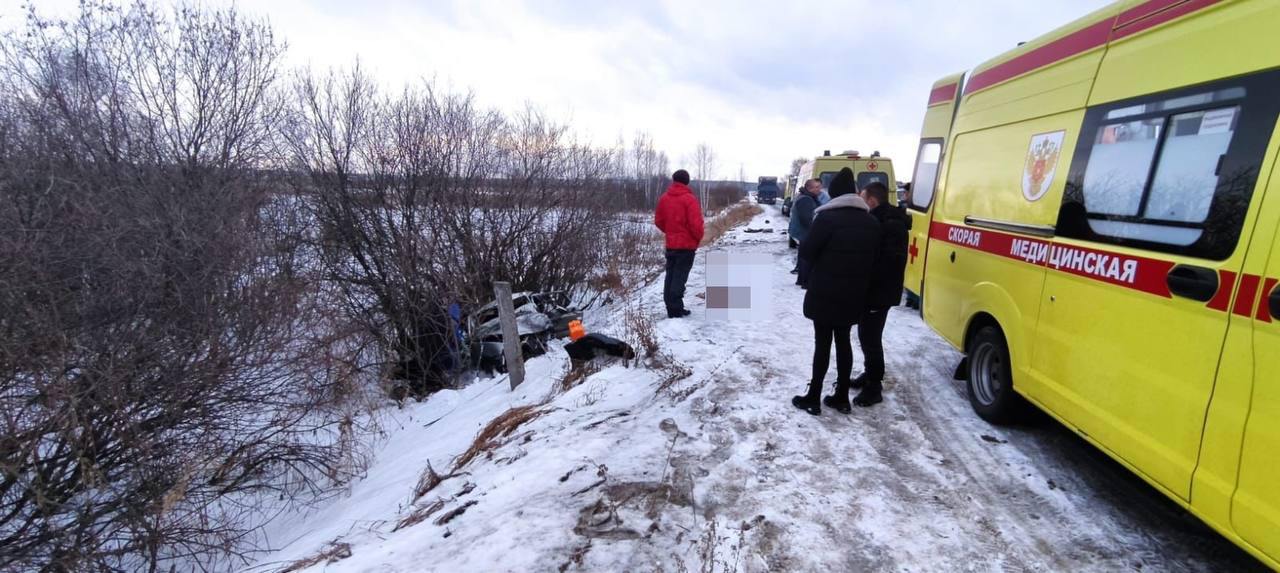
1095,225
866,170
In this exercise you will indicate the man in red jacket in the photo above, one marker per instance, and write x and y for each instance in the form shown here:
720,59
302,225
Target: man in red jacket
680,218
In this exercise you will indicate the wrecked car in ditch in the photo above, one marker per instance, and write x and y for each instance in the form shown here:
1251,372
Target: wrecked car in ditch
539,318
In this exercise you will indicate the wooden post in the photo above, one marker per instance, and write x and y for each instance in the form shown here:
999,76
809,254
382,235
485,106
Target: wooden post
510,333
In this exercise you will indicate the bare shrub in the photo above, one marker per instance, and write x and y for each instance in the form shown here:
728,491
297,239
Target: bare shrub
574,375
372,164
722,195
423,199
158,333
634,260
641,327
673,371
591,396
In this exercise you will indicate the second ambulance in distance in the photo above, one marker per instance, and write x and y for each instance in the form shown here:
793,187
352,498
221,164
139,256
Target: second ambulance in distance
866,170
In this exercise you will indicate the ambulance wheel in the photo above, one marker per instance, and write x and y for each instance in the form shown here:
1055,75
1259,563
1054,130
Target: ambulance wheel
991,378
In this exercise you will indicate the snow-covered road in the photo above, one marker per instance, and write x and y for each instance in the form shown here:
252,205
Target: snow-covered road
720,473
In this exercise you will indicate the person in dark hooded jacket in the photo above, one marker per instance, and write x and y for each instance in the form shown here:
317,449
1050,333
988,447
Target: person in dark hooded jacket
840,249
884,292
806,202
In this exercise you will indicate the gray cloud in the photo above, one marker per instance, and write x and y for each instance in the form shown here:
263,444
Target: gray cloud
762,81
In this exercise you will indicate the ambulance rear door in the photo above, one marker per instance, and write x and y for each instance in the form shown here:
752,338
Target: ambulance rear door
934,134
1255,508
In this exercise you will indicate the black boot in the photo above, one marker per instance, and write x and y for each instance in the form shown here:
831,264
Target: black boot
809,401
870,395
839,401
859,382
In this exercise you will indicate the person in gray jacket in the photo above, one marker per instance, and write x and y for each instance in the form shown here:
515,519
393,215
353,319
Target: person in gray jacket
802,210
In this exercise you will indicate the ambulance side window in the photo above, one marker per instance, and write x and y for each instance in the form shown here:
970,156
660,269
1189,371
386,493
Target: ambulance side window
1171,172
925,178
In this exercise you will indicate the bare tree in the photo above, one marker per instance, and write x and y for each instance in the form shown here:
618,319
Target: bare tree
644,161
541,228
796,164
704,161
161,364
619,160
662,166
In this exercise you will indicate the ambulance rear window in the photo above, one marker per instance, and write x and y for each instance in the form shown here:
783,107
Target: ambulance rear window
868,177
826,178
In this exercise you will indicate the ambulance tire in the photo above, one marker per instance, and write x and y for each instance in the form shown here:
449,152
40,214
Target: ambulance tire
991,378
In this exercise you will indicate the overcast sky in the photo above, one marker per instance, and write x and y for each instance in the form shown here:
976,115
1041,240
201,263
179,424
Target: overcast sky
761,81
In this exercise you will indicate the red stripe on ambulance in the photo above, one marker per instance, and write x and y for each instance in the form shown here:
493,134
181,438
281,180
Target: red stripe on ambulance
1137,273
1226,286
1248,294
1156,12
1146,275
943,94
1093,36
1264,306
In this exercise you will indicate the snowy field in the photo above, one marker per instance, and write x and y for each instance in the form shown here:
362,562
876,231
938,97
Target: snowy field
719,473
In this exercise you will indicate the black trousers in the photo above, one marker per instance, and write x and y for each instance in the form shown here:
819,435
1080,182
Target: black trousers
823,335
871,339
679,263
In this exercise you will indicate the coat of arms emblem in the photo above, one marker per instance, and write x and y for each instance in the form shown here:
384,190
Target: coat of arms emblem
1042,163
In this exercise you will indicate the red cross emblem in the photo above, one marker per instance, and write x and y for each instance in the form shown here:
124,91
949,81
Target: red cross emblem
913,250
872,166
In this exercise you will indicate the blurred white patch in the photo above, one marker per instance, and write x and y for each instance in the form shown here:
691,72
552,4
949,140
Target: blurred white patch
739,286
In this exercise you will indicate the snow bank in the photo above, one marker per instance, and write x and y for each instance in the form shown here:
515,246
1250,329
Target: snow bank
711,469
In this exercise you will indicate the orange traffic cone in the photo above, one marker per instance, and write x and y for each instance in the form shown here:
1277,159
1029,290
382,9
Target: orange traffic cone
576,330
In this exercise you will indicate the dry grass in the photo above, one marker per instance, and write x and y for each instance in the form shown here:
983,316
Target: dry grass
335,552
500,427
577,557
739,214
428,481
455,512
640,326
673,371
419,515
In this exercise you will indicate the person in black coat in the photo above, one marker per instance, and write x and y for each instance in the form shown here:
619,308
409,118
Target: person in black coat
884,292
840,250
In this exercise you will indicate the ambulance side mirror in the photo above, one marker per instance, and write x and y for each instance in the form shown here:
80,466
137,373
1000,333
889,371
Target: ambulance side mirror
1195,283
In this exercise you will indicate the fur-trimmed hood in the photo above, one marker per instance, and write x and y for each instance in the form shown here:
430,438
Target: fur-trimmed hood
846,201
